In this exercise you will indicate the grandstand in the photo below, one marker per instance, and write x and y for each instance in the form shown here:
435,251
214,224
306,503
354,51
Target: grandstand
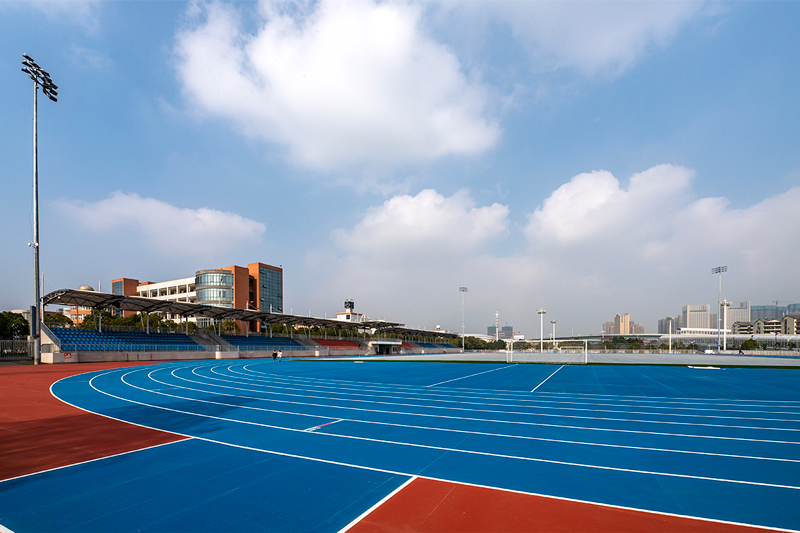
61,345
72,339
338,344
258,342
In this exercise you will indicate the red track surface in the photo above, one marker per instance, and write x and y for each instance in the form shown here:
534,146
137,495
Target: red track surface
436,506
39,432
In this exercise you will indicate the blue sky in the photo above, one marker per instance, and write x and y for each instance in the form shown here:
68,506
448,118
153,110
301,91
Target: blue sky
591,158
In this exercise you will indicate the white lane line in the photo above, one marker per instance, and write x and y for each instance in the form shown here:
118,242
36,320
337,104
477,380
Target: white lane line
471,375
319,426
621,398
495,411
532,403
438,448
361,467
450,430
548,377
383,500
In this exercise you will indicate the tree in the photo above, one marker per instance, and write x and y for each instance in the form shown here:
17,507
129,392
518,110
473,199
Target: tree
13,326
750,344
663,346
229,326
57,320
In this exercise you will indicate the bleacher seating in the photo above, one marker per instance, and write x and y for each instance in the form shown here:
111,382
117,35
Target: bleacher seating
338,344
257,342
73,339
427,345
404,345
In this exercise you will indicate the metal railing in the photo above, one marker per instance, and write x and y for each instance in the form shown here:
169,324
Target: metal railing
16,350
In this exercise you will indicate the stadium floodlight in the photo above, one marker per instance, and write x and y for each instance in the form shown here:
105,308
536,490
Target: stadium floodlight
719,270
541,312
41,78
462,290
554,322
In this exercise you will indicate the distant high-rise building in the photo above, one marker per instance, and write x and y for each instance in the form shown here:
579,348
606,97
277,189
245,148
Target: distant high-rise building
636,329
622,324
664,325
768,312
737,312
698,316
491,330
608,328
507,332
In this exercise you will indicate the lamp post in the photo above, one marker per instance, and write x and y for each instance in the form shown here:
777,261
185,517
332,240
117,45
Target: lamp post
554,322
719,270
462,290
725,304
670,318
41,78
541,312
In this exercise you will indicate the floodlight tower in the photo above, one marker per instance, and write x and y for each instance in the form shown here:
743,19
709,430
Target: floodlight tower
41,78
541,312
554,322
462,290
719,270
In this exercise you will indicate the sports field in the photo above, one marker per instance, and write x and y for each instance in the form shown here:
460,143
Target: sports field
414,446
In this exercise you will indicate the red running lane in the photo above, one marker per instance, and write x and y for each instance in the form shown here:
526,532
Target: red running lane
426,505
39,432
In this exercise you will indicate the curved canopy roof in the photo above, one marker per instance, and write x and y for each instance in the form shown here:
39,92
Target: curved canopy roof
139,304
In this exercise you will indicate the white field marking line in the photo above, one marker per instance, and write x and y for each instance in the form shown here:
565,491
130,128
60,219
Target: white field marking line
446,430
499,435
363,392
338,388
530,414
383,500
391,387
471,375
410,426
477,419
441,448
578,395
361,467
705,367
4,529
548,377
323,425
456,392
635,398
456,482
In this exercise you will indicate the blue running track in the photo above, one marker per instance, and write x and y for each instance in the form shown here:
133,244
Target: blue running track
309,446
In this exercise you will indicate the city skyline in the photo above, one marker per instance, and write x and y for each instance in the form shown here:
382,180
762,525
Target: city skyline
392,152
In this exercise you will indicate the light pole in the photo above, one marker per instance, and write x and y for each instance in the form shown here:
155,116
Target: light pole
541,312
554,322
39,77
725,304
670,318
462,290
719,270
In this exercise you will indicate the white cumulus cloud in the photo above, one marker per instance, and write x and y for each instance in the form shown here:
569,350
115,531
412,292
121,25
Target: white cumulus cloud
166,227
592,37
338,83
594,206
428,222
